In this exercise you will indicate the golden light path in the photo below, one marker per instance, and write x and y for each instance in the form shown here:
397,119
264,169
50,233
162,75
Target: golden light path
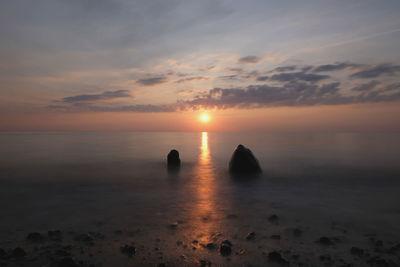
205,187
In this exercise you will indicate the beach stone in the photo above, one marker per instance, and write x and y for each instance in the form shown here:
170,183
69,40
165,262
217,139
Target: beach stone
128,250
84,238
325,241
251,236
356,251
55,235
18,253
34,237
275,256
225,248
67,262
204,263
297,232
210,246
273,218
243,161
3,254
173,158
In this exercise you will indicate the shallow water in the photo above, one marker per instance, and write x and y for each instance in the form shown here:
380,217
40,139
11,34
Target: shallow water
320,183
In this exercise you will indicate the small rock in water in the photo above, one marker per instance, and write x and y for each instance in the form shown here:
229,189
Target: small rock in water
210,246
34,237
325,241
275,256
173,159
3,254
128,250
67,262
204,263
55,235
173,225
84,238
226,248
377,261
243,161
356,251
251,236
297,232
394,249
273,218
18,253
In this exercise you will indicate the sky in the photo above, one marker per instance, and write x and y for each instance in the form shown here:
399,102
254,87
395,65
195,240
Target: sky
158,65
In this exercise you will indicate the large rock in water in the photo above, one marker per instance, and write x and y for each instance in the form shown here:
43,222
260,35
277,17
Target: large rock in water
173,159
243,161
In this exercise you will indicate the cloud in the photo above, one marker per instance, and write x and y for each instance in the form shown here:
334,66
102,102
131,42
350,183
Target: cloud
366,87
293,76
335,67
376,71
152,81
134,108
107,95
262,78
291,94
249,59
285,68
191,79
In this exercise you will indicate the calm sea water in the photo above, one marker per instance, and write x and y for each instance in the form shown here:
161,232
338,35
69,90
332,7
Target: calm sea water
73,180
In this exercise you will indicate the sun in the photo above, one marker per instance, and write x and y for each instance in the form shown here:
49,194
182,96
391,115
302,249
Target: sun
205,118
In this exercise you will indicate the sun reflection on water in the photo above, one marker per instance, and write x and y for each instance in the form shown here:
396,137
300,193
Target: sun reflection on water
204,210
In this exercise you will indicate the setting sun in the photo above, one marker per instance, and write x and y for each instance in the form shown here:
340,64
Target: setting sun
205,118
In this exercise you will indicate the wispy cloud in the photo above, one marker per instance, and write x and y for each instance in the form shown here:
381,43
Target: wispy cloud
249,59
335,67
377,70
107,95
192,79
295,76
152,81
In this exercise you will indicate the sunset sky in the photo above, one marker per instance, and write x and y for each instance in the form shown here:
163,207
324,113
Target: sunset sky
124,65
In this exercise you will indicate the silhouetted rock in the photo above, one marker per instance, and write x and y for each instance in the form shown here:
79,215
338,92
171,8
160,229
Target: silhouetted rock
325,241
18,253
3,254
128,250
226,248
273,218
34,237
356,251
251,236
173,159
243,161
275,256
55,235
67,262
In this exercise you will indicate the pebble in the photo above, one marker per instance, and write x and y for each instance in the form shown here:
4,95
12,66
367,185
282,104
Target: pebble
18,253
34,237
251,236
128,250
325,241
275,256
273,218
356,251
225,248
